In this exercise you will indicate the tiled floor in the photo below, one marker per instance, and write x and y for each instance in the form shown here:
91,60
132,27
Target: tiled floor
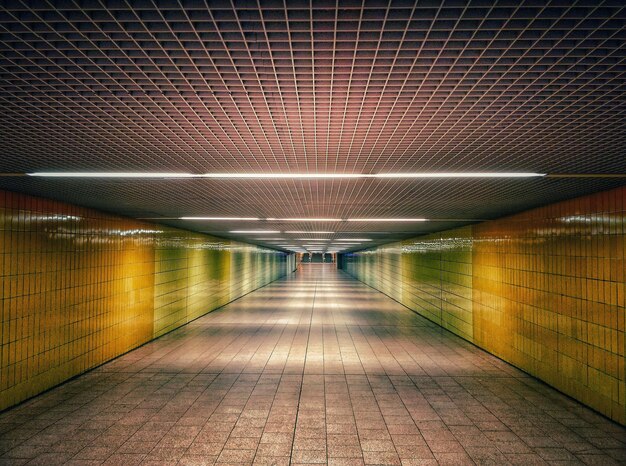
315,368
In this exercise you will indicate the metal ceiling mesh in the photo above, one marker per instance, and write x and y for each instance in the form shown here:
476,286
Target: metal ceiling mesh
313,86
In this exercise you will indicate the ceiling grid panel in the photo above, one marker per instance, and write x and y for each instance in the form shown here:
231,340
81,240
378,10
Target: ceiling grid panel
313,87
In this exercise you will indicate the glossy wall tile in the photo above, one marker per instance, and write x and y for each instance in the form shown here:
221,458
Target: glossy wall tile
80,287
543,290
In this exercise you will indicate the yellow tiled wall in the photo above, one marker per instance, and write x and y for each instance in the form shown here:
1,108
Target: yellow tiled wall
543,290
80,287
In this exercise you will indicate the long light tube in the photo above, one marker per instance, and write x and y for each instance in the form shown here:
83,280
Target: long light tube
287,175
386,220
304,219
302,232
261,232
251,219
111,175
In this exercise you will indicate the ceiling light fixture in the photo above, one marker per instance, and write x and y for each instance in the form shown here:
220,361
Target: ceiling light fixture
283,175
387,220
372,175
303,219
111,175
221,218
302,232
458,175
287,175
351,240
254,231
306,219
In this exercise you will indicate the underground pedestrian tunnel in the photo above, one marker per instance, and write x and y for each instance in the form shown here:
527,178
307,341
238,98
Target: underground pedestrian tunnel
297,232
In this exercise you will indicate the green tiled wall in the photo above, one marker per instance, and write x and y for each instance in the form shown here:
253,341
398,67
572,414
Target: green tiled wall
80,287
543,290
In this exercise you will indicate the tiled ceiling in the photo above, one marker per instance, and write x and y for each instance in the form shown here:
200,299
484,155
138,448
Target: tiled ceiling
313,87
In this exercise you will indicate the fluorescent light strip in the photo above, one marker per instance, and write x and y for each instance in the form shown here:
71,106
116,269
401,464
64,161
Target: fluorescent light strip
252,219
287,175
284,175
386,220
312,239
351,240
300,232
457,175
254,231
311,220
111,175
305,219
373,175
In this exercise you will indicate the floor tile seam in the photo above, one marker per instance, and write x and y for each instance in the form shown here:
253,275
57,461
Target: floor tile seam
235,425
241,347
170,338
364,343
293,438
219,313
217,380
388,354
276,342
197,343
281,344
493,414
276,394
399,343
323,346
353,418
527,381
372,392
265,332
291,355
291,343
231,384
343,349
174,425
336,335
222,343
399,393
405,342
164,382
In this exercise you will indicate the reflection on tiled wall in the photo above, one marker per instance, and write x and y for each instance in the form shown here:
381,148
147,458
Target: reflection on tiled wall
543,289
80,287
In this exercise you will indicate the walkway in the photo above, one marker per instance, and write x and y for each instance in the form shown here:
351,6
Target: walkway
315,368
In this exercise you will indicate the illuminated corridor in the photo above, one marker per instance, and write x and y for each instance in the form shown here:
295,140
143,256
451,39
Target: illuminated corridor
313,368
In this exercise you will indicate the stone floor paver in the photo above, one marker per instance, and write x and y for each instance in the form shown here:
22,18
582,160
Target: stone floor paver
316,368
